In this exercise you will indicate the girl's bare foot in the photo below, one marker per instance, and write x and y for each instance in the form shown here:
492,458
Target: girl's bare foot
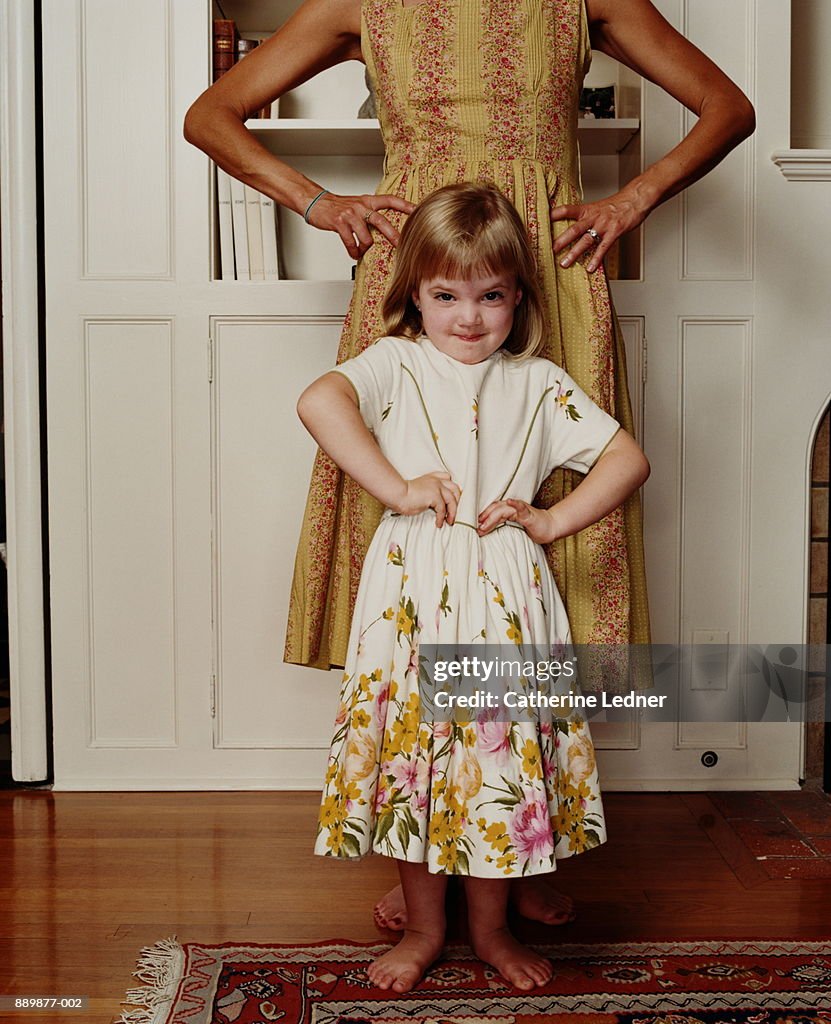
390,911
531,897
403,967
517,964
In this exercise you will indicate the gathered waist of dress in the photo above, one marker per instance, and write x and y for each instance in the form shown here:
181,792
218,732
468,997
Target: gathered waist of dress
459,524
417,177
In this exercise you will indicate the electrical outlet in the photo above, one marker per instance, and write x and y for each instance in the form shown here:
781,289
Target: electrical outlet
709,659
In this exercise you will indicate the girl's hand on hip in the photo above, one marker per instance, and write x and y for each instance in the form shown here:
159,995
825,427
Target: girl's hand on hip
597,226
433,490
537,522
355,217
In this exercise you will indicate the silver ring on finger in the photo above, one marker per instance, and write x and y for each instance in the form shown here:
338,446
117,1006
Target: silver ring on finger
594,235
367,215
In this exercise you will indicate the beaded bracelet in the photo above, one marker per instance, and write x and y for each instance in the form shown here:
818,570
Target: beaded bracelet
321,193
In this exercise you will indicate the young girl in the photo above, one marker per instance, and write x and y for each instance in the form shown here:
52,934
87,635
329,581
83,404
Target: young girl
452,423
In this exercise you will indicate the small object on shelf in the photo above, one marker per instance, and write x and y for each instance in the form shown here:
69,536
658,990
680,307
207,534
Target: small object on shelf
225,46
226,226
369,107
599,103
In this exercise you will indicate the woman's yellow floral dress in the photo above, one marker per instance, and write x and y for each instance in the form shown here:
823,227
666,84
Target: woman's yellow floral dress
481,90
486,797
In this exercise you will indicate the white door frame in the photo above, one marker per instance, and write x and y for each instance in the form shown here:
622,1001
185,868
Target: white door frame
24,561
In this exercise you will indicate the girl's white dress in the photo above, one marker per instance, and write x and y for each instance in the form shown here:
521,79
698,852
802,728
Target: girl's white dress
486,797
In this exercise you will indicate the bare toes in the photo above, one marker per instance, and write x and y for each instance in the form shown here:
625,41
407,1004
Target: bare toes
405,981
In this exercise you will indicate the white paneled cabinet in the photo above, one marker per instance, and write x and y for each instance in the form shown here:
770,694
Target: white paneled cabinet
177,467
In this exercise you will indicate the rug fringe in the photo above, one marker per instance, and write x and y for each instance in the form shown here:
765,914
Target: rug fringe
160,967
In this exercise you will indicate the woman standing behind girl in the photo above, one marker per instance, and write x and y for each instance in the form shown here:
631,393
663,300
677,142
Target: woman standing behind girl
452,422
477,91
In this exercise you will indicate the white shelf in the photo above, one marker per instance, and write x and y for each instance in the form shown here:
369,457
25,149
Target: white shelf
606,137
302,137
306,137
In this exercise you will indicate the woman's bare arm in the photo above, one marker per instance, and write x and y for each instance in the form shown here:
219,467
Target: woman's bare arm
635,33
320,34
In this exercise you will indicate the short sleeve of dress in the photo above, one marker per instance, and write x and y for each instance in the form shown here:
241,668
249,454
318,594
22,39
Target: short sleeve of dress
578,430
374,375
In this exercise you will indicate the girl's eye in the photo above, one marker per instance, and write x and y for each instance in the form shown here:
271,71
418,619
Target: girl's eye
494,296
443,296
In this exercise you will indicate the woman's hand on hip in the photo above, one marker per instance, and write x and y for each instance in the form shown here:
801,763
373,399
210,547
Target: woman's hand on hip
597,226
537,522
433,490
354,218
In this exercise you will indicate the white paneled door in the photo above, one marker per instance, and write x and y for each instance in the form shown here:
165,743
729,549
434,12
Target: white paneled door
177,467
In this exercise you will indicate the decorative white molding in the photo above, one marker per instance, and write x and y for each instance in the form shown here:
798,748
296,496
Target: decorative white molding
225,694
804,164
107,783
18,216
146,218
163,682
745,326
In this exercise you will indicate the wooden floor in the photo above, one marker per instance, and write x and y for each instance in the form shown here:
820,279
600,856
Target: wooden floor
88,879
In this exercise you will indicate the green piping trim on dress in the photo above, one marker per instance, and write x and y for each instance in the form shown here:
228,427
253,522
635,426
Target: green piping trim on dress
525,442
407,370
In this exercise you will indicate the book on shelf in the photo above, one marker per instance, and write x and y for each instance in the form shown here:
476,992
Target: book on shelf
238,220
254,227
248,232
224,46
271,252
226,225
229,48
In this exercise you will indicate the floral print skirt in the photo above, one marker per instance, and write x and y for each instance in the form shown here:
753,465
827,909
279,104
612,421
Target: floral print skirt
482,797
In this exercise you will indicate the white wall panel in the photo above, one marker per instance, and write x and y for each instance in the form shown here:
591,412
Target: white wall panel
717,213
715,437
131,584
715,456
262,461
126,132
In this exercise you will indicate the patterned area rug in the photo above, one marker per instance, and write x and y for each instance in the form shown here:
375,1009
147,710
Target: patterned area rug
639,983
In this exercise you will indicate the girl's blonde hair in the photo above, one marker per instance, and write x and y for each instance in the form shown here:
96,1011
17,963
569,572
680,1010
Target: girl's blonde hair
461,231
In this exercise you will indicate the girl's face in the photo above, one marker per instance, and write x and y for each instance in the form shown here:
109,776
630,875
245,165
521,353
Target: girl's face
468,320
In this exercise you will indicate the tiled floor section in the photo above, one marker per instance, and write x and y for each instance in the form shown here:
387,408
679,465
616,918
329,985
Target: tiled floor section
789,834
